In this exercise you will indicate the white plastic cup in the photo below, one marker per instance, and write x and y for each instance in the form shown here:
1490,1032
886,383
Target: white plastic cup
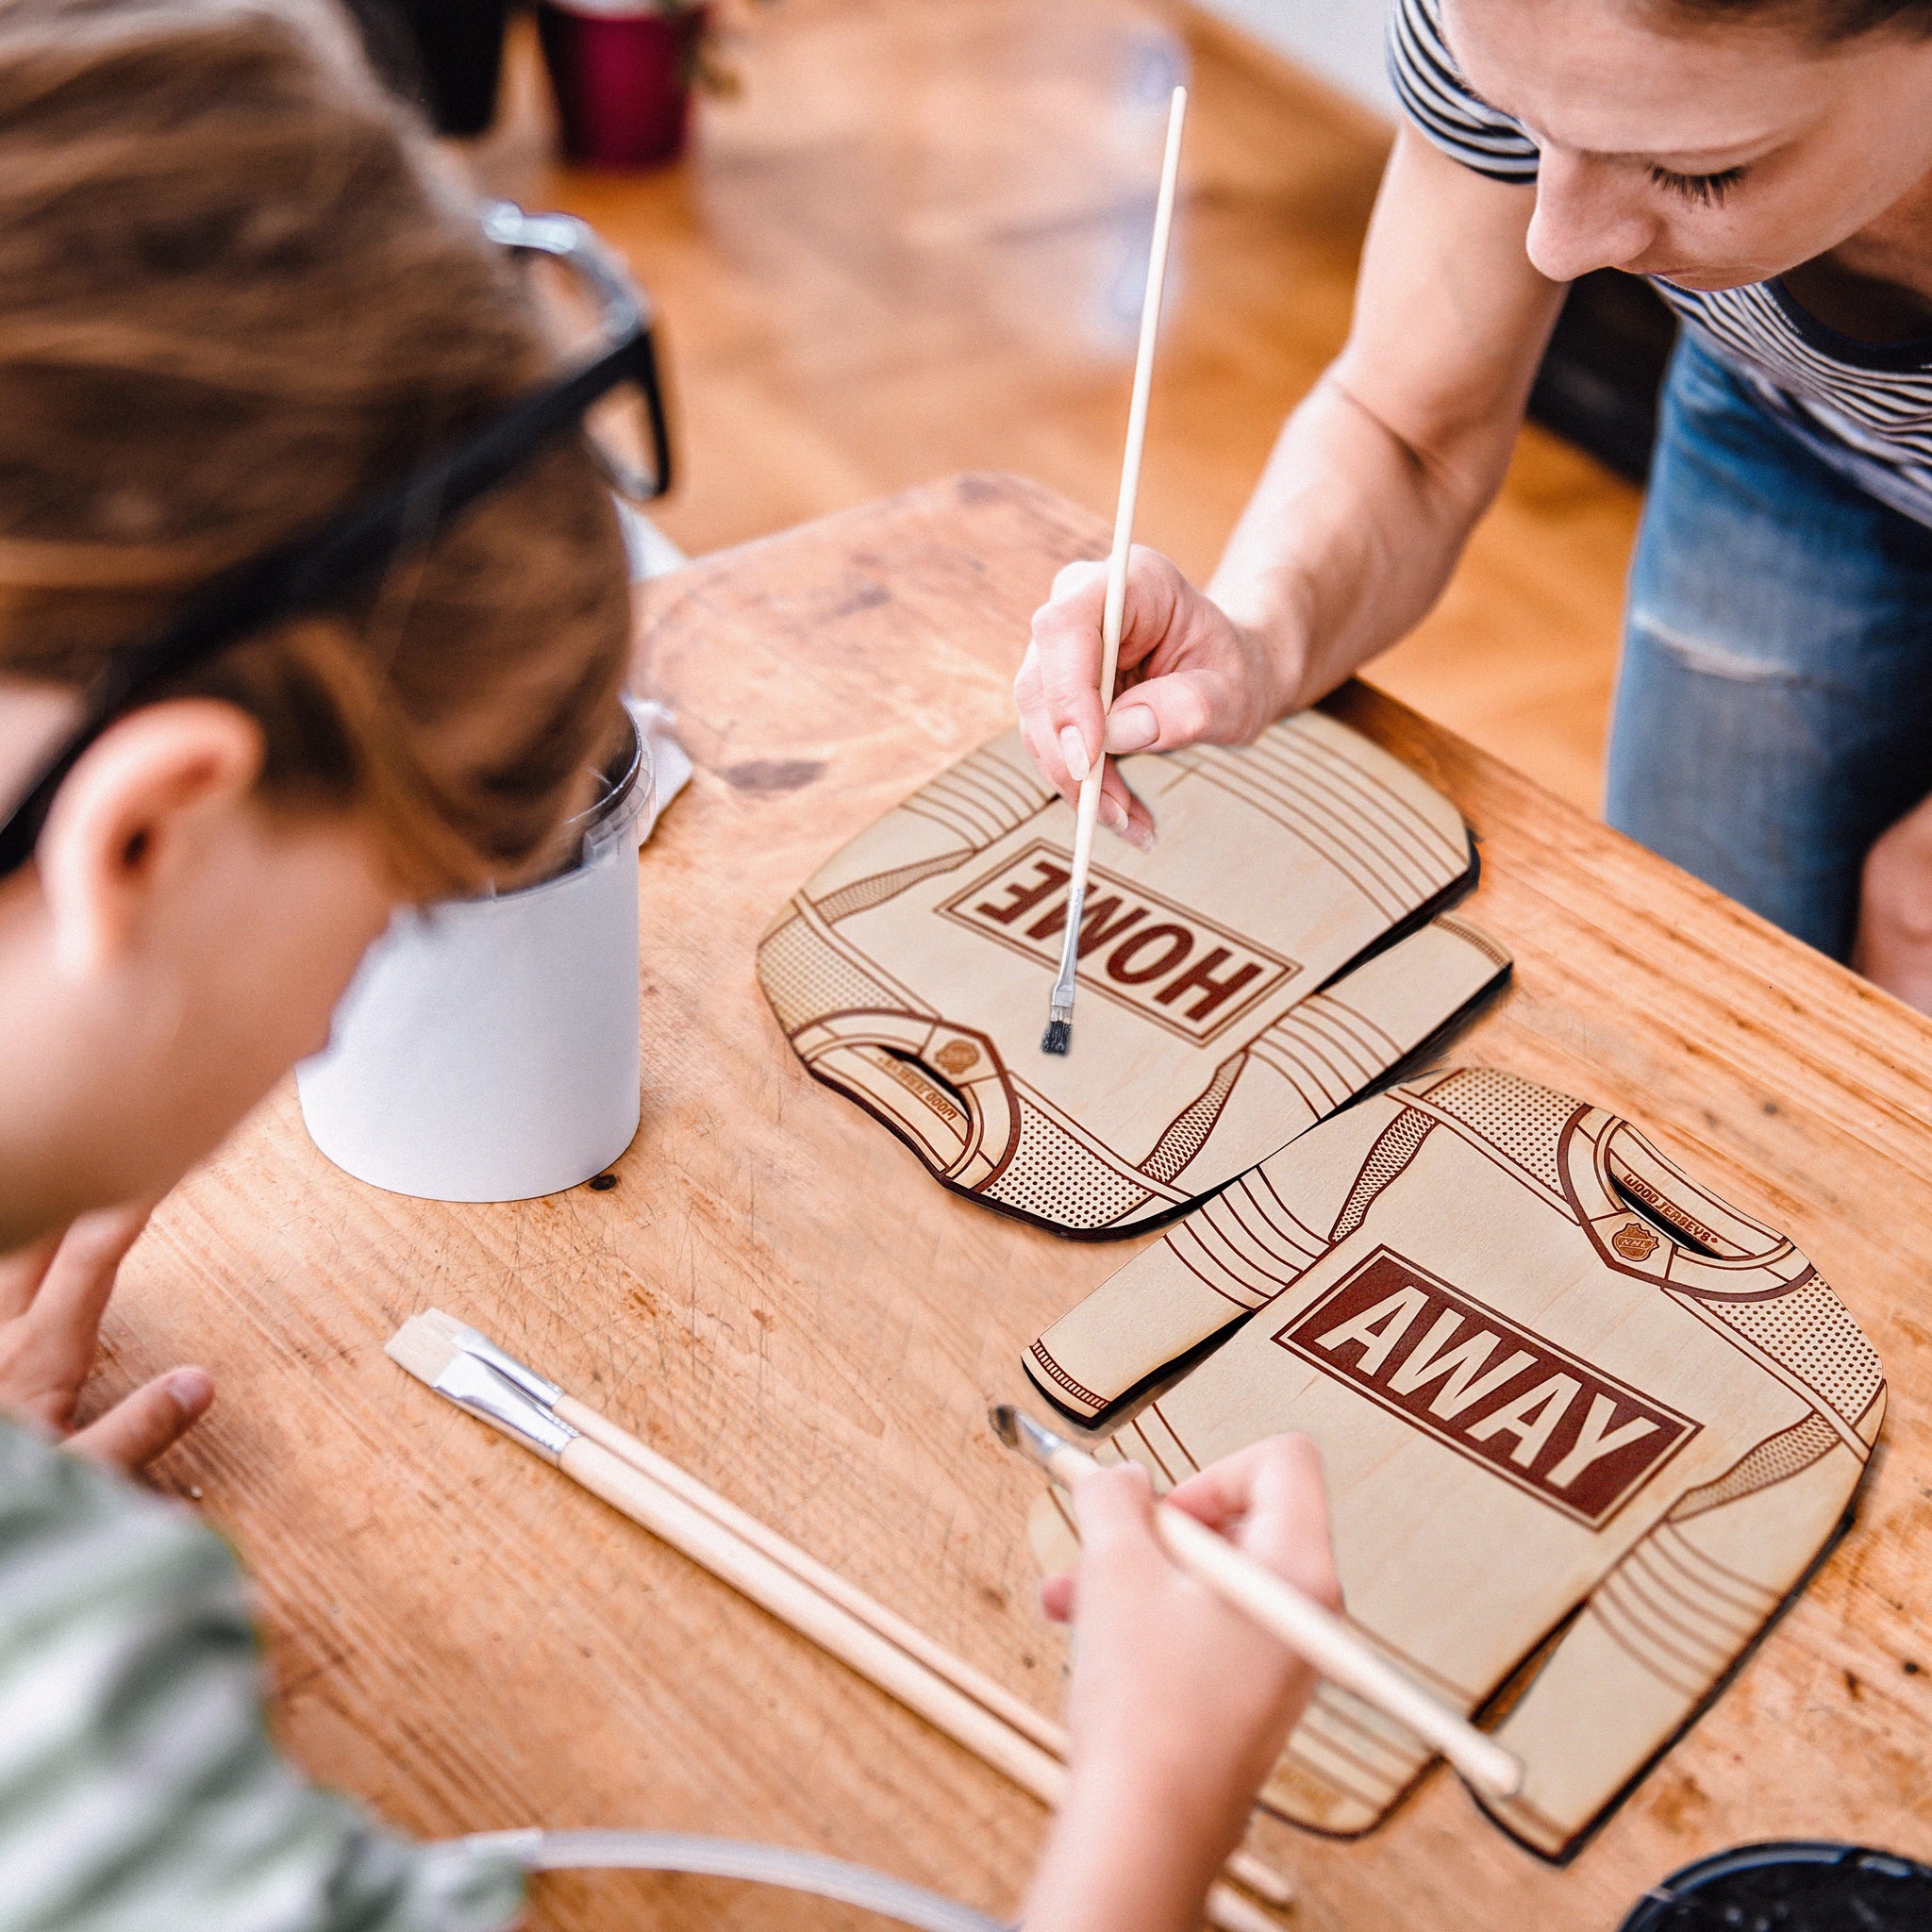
488,1048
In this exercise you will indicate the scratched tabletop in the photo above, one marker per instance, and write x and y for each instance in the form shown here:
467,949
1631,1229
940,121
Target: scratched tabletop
774,1294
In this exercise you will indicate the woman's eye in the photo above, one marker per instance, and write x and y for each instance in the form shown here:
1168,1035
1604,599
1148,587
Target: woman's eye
1708,191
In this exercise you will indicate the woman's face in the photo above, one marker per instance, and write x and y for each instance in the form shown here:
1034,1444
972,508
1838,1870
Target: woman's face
1709,155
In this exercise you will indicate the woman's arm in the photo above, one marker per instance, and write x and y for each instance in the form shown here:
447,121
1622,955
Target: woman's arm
1364,507
1179,1705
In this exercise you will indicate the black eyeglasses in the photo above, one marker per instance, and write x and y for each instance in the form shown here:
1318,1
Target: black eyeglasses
313,571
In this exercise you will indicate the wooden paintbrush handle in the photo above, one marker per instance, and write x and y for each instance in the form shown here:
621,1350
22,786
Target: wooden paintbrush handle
1319,1636
1335,1650
1111,611
827,1582
1261,1879
808,1597
1136,408
605,1459
773,1588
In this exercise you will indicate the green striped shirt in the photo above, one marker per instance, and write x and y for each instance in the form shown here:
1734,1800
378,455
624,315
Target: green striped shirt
139,1791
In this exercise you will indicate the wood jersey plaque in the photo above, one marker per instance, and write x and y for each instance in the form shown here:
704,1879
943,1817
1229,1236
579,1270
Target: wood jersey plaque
1284,946
1585,1426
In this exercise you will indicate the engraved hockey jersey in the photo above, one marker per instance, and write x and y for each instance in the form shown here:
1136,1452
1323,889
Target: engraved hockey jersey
1568,1401
1217,1015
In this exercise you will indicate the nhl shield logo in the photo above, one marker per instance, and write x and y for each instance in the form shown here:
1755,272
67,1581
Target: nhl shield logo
1636,1243
956,1056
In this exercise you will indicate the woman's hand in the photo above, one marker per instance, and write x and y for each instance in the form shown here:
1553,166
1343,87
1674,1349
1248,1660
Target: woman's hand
1179,1705
52,1298
1188,675
1895,944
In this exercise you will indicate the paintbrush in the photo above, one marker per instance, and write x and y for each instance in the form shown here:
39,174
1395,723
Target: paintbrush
1059,1024
1302,1623
467,1368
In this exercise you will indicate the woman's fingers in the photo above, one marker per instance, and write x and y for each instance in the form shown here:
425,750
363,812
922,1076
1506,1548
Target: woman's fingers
1058,1597
1124,812
1121,809
1268,1498
1062,762
1131,726
1036,728
1162,713
1893,942
1065,659
1185,674
141,1426
1060,683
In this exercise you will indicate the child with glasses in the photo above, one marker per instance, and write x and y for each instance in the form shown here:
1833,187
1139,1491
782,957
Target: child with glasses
313,604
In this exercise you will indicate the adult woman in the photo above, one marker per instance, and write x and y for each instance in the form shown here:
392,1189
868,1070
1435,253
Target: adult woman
238,300
1770,163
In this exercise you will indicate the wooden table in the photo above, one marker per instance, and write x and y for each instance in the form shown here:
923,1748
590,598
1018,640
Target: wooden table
775,1295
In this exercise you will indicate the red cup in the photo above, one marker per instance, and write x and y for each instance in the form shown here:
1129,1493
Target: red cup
621,69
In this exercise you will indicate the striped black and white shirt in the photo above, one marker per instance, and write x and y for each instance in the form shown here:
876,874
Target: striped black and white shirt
1865,409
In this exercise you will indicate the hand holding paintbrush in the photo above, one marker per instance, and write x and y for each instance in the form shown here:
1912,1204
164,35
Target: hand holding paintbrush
1059,1027
1309,1628
469,1370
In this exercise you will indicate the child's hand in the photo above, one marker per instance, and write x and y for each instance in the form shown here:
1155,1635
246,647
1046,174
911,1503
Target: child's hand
52,1298
1179,1705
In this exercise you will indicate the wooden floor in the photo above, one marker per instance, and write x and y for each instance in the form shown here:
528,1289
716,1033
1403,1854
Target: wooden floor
914,244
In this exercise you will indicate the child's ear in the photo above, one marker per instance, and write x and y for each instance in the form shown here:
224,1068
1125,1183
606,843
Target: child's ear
144,799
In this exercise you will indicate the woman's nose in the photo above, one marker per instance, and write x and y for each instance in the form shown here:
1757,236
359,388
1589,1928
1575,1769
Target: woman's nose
1586,217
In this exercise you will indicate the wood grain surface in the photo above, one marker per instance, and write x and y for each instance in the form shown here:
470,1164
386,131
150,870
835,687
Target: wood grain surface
913,244
775,1295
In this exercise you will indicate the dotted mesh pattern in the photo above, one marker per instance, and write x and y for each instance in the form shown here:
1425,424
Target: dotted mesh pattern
862,895
1189,1132
1774,1461
1812,1334
805,979
1394,1148
1053,1176
1517,1117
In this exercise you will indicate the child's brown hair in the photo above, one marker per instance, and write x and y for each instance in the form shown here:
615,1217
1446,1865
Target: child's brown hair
238,289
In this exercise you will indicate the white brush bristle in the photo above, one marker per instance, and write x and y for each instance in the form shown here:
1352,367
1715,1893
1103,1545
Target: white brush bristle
423,1346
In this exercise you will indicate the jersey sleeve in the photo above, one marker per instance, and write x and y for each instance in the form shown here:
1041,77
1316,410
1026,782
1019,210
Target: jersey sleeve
1441,103
1225,1259
1657,1637
139,1787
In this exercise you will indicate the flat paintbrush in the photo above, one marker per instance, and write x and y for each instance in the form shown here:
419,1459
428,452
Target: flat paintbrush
1060,1026
1309,1630
949,1694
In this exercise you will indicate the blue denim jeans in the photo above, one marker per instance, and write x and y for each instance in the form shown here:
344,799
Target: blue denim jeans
1773,709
